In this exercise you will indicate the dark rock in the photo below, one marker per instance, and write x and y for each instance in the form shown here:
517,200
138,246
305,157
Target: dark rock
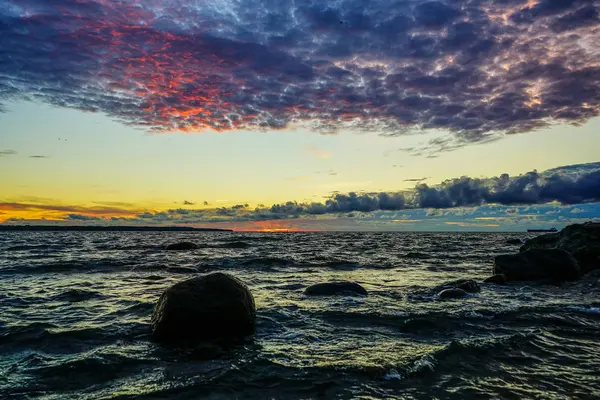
538,264
514,241
335,288
182,246
214,306
468,285
581,240
292,286
497,279
182,270
453,293
547,241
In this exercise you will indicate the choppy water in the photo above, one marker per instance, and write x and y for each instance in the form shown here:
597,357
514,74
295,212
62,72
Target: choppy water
75,310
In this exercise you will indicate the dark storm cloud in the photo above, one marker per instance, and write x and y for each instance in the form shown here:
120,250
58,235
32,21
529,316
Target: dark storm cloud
557,185
585,16
573,184
473,67
81,217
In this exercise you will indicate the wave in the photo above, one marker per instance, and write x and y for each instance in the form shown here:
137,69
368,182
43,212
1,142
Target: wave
106,265
414,323
77,295
417,254
234,245
120,247
35,247
50,336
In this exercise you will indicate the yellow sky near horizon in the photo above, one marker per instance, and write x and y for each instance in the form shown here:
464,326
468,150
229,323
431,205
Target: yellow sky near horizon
86,160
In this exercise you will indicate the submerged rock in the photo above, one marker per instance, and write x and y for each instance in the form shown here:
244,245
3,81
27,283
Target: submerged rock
77,295
538,264
214,306
468,285
581,240
498,279
182,246
514,241
335,288
454,293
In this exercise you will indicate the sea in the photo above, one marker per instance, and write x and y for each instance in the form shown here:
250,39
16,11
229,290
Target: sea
75,311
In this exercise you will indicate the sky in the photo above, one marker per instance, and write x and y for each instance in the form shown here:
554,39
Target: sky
311,115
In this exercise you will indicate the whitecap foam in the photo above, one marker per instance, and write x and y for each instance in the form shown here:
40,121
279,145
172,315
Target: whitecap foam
589,310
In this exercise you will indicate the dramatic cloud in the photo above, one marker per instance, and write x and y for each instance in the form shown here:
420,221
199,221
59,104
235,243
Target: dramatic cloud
473,67
80,217
557,185
518,198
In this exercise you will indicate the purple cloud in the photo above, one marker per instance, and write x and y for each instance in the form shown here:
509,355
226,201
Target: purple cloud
473,67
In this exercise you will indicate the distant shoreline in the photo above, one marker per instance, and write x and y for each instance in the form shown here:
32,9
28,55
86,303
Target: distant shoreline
47,228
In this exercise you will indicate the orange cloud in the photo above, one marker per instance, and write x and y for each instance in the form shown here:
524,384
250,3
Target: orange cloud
32,211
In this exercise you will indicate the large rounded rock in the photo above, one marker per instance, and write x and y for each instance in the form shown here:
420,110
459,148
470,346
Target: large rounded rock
468,285
182,246
546,241
335,288
581,240
538,264
214,306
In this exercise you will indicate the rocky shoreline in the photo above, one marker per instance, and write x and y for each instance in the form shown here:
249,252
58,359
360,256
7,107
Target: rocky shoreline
218,306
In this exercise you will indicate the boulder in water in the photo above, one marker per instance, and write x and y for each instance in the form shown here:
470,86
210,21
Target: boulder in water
182,246
214,306
581,240
514,241
335,288
454,293
468,285
537,264
498,279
